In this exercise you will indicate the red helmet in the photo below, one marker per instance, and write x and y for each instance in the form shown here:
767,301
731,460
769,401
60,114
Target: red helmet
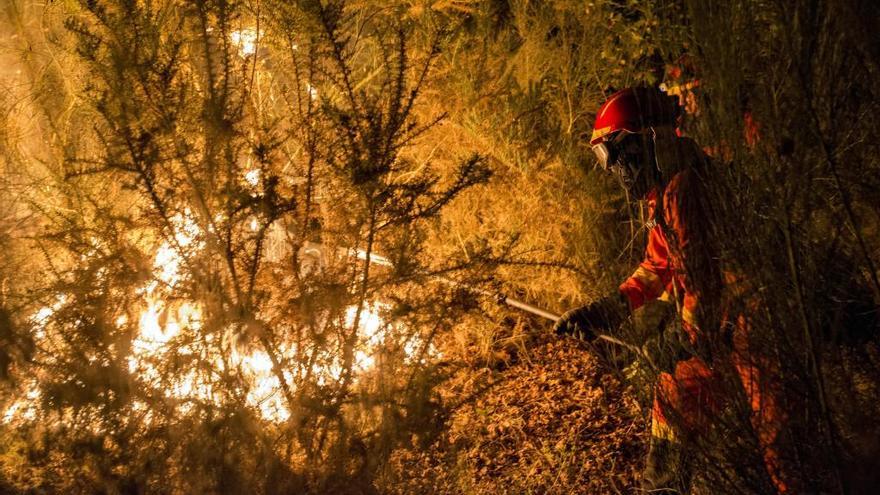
634,110
630,111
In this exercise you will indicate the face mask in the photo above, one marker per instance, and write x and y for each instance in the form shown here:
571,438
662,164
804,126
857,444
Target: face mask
626,156
628,175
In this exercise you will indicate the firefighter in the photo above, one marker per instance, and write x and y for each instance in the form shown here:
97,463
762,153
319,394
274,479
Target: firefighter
635,139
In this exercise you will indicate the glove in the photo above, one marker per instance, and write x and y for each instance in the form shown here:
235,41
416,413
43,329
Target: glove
587,322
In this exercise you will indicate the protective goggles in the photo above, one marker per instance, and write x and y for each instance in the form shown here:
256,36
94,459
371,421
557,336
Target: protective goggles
603,153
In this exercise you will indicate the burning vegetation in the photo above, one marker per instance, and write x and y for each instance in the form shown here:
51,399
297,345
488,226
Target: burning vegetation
259,246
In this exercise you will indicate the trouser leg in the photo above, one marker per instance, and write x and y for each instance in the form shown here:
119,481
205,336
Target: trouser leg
682,404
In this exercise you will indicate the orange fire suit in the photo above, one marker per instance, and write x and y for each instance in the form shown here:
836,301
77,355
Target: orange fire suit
688,395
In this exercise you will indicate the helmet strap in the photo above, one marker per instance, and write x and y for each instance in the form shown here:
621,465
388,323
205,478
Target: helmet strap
668,159
654,154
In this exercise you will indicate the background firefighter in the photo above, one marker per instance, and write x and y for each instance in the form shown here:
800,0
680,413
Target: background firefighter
634,137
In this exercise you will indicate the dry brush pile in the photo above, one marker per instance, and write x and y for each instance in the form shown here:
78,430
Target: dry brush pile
549,421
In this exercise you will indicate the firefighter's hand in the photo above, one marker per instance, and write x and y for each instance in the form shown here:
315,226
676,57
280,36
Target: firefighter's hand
576,322
587,322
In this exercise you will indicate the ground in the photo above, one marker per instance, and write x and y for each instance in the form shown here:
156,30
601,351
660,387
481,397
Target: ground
553,421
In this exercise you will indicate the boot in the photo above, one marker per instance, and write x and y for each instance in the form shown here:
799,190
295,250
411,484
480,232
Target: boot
666,472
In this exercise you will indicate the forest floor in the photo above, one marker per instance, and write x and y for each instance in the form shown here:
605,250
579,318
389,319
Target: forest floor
546,420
